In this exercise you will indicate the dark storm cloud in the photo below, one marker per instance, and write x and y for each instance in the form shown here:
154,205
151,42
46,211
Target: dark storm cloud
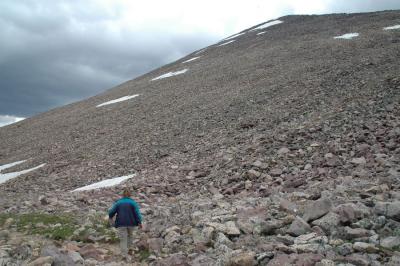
48,58
56,52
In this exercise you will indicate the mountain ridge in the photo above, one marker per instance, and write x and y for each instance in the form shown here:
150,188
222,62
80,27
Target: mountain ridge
290,117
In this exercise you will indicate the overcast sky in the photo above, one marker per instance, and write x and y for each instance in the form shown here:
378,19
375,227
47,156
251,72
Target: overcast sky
53,52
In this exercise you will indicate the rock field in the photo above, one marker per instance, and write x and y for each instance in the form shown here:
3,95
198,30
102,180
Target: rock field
276,149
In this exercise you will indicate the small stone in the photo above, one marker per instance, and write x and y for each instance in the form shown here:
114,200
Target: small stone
345,249
260,165
283,151
253,174
325,262
41,261
248,184
351,233
231,229
8,223
276,172
242,259
299,227
365,247
359,161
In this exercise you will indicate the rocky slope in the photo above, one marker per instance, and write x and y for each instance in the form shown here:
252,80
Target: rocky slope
280,148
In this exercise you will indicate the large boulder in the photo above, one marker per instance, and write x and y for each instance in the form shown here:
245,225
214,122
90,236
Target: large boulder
317,209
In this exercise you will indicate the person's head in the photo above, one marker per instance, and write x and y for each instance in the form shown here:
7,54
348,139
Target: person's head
126,193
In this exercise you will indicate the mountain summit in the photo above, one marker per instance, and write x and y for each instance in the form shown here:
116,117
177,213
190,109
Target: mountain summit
279,144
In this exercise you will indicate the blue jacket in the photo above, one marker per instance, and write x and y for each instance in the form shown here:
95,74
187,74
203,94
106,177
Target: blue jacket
128,213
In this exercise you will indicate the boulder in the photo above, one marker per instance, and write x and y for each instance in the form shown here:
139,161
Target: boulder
242,259
351,233
41,261
391,242
348,213
365,247
317,209
299,227
59,258
328,222
388,209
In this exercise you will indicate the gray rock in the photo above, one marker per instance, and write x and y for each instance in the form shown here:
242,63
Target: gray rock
328,222
21,252
388,209
266,228
348,213
351,233
359,161
242,259
41,261
231,229
317,209
299,227
275,172
390,242
365,247
394,261
283,151
59,259
345,249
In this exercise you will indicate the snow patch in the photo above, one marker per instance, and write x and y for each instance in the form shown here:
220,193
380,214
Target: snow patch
8,176
261,32
234,36
225,43
268,24
118,100
105,183
191,59
395,27
170,74
347,36
9,119
5,166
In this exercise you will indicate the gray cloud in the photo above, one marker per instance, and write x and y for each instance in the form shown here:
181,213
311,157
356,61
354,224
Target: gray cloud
47,60
56,52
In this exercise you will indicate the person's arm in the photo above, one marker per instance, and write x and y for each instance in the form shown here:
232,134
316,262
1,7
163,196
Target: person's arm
112,212
136,213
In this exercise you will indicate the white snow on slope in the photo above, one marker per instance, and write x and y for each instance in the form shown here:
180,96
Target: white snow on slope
234,36
395,27
8,176
347,36
9,119
5,166
105,183
170,74
261,32
118,100
191,59
225,43
268,24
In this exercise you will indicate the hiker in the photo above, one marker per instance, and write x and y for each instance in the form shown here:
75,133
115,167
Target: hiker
128,216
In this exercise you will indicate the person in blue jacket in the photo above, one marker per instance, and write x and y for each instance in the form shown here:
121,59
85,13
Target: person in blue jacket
128,217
